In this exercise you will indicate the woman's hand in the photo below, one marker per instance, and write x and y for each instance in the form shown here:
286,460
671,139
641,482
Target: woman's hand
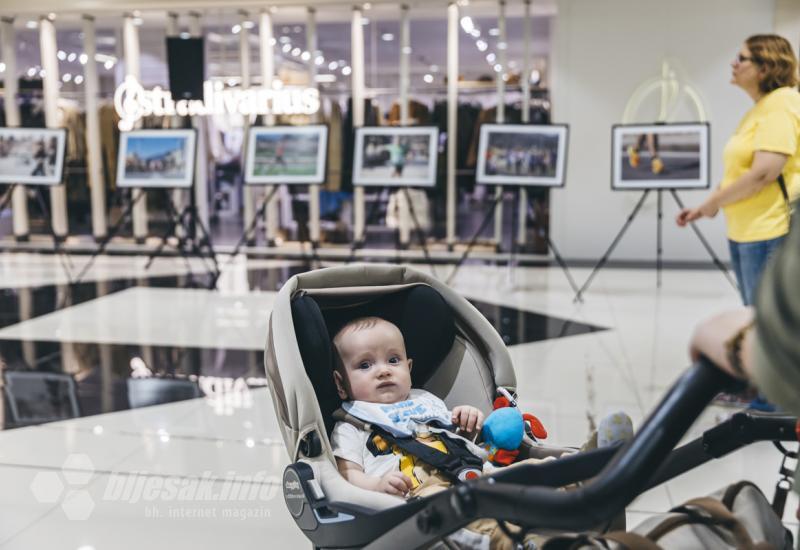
467,418
688,215
710,338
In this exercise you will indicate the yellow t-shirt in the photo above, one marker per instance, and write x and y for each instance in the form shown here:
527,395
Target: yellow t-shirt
772,124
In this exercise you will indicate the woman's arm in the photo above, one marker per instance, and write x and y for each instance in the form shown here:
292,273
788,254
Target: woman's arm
711,339
766,168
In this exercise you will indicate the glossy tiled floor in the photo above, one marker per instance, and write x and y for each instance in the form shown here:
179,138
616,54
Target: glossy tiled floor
203,473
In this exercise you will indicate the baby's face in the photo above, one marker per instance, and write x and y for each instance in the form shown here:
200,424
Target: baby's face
375,363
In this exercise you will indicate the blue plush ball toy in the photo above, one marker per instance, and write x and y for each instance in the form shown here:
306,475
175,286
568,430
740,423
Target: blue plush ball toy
504,428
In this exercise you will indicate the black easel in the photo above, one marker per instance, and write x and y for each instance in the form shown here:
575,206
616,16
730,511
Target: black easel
64,258
659,249
421,235
112,232
189,221
485,222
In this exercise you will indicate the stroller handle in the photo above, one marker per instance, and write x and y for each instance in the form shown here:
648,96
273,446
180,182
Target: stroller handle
629,472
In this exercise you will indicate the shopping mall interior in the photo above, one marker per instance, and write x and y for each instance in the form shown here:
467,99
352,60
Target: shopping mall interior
176,175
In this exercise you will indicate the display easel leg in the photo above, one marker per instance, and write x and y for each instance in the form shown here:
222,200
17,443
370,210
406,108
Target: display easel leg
112,232
474,239
7,197
420,233
604,259
64,258
359,241
659,248
707,246
254,222
556,254
189,219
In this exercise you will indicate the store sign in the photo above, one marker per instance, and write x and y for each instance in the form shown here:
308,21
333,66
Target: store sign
133,102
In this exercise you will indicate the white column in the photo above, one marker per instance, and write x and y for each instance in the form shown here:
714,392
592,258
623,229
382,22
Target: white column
248,198
502,49
357,87
130,39
19,202
525,82
47,44
97,184
178,195
267,55
404,215
313,190
452,118
201,159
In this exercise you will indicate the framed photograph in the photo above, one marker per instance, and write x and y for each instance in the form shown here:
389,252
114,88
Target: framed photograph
393,156
156,158
522,154
286,154
660,156
32,156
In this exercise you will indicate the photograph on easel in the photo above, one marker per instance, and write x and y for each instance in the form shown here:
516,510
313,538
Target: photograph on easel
396,156
286,154
32,156
522,154
156,158
660,156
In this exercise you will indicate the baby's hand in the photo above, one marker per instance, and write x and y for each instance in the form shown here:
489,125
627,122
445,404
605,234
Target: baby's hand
395,483
467,418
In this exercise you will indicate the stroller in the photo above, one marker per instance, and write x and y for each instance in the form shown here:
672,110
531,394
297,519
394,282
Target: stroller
460,357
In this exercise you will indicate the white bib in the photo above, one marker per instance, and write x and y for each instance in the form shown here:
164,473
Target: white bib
401,418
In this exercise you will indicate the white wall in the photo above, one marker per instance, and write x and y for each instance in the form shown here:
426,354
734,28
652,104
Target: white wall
603,50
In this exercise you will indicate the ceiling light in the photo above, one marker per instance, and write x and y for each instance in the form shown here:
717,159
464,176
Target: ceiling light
51,16
305,56
285,39
502,45
387,37
428,78
42,73
296,52
482,45
286,48
108,65
536,76
62,55
494,31
79,79
367,6
297,28
325,78
319,60
498,67
236,29
364,21
406,50
31,72
272,41
72,57
434,68
490,57
185,35
31,24
333,65
346,71
2,67
138,21
66,77
467,24
248,25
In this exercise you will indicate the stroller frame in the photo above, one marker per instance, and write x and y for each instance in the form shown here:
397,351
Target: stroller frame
527,495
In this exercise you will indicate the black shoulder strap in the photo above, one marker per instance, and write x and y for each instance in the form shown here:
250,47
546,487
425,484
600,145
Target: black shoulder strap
782,183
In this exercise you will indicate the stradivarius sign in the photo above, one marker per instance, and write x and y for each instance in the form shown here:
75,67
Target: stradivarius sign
133,102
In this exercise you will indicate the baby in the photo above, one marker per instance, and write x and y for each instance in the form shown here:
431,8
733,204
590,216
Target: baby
372,367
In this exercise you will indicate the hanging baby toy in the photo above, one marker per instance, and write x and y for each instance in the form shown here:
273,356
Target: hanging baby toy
505,427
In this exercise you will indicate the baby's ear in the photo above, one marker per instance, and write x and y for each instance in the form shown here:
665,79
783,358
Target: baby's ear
339,381
410,362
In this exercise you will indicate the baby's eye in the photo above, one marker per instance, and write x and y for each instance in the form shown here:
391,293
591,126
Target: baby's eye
364,365
394,360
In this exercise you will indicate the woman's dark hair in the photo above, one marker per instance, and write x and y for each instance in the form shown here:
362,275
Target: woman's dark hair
774,55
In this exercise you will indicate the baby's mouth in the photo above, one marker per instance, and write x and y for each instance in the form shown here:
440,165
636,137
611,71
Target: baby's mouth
384,385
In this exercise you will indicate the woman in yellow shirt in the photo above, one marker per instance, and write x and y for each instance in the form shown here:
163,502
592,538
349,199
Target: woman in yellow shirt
764,147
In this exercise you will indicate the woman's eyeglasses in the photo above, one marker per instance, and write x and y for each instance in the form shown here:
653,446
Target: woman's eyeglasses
742,58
